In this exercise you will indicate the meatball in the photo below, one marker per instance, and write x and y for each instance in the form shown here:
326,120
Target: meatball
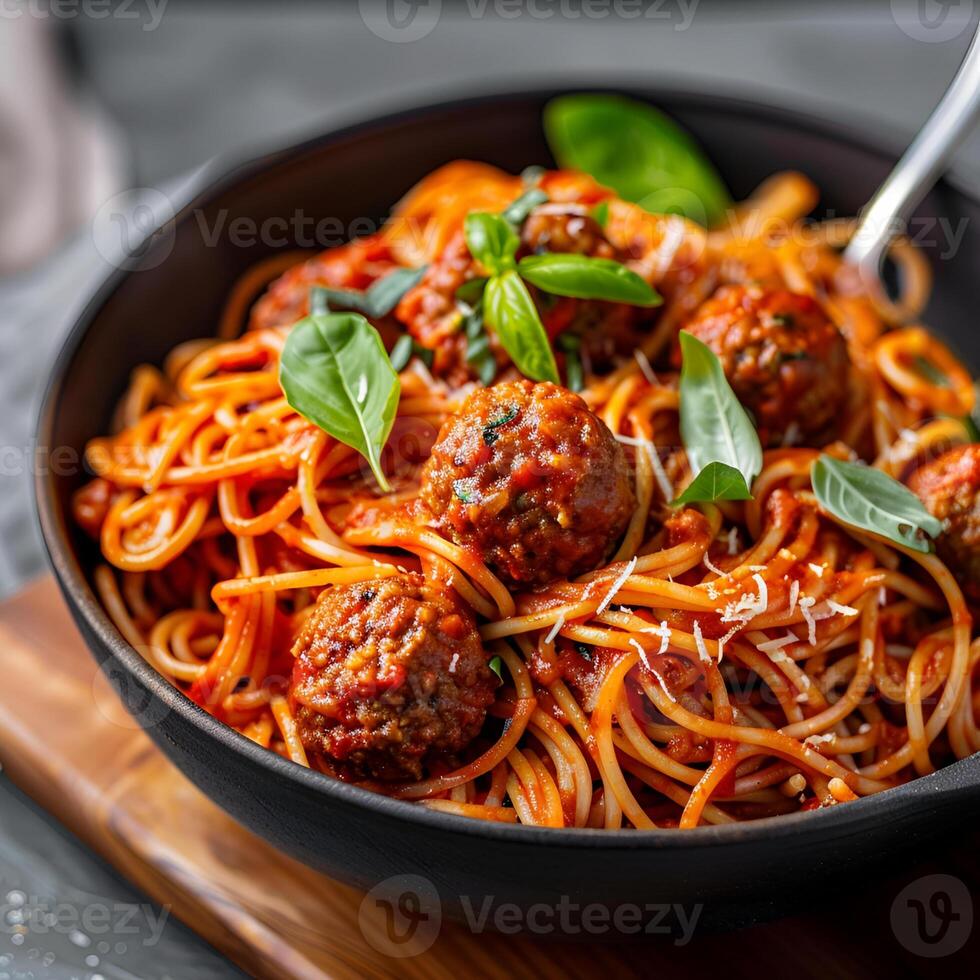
389,675
785,360
356,265
950,488
528,478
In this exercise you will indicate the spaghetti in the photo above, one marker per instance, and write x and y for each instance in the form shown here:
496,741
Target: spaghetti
713,663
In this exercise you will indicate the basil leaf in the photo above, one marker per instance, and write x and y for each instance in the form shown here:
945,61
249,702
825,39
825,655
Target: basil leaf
600,214
582,277
571,346
378,301
334,371
496,665
510,312
318,301
714,426
871,500
491,240
516,212
401,353
717,481
971,422
471,291
929,371
405,349
637,151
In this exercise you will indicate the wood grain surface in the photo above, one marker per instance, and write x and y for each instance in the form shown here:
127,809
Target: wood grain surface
66,741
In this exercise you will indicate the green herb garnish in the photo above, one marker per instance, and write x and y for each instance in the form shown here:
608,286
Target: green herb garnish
870,500
463,489
930,372
582,277
571,346
496,665
637,151
490,434
335,372
377,301
715,428
518,212
405,349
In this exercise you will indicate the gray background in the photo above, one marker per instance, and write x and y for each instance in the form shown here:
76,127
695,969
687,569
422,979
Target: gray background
213,79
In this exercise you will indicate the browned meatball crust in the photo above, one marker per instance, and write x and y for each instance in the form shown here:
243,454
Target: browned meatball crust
389,674
784,358
950,488
531,480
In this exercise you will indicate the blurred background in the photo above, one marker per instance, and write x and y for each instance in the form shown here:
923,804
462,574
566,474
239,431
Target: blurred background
102,98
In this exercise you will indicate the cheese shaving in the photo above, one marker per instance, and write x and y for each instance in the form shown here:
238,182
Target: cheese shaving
663,631
770,646
639,649
646,367
660,474
556,629
794,594
733,541
817,570
619,582
748,605
699,640
806,607
820,739
708,564
836,607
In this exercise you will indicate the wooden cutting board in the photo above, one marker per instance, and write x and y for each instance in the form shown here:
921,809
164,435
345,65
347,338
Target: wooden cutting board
66,741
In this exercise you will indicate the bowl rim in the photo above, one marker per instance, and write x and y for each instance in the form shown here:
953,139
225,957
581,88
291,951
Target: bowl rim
218,177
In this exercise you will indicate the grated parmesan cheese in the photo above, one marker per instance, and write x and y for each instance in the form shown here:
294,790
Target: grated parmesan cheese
699,640
619,582
646,367
453,662
555,629
806,607
660,474
639,649
663,631
820,739
771,646
793,434
708,564
817,570
794,594
836,607
733,541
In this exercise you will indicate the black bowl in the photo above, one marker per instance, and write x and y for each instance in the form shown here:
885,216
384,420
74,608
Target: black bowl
174,292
